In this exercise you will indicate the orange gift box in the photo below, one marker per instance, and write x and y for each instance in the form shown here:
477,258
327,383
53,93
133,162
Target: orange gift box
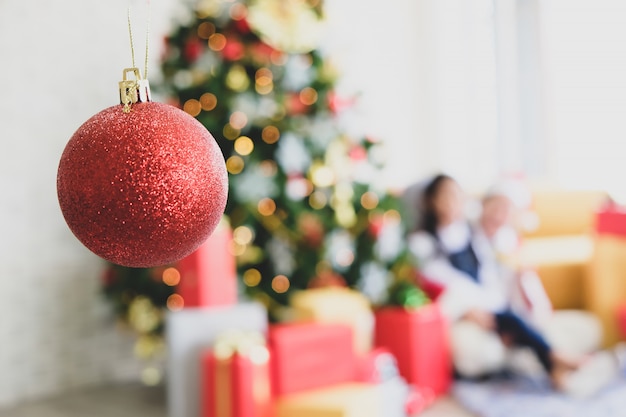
418,339
236,383
208,277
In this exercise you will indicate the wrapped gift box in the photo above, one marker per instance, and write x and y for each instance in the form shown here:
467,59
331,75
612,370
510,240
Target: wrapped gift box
236,383
418,338
208,277
337,305
344,400
605,286
191,331
310,355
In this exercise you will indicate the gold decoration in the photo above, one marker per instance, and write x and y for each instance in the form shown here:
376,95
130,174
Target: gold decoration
287,25
237,79
143,316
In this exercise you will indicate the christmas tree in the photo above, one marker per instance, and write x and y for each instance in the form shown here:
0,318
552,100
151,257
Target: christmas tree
305,203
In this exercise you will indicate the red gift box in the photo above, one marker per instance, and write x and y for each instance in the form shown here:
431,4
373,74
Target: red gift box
310,355
235,386
418,338
611,222
208,277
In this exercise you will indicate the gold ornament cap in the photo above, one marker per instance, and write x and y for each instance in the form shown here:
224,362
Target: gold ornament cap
133,91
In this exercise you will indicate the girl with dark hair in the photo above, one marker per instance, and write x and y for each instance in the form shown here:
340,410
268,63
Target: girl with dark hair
472,289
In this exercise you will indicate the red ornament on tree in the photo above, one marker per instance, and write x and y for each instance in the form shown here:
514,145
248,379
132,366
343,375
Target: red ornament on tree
142,186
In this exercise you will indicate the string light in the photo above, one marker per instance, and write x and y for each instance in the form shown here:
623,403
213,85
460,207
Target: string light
235,164
175,302
392,216
252,277
322,176
264,81
268,168
238,120
270,134
171,277
205,30
237,78
318,200
280,284
243,235
266,206
192,107
244,145
369,200
208,101
217,42
230,132
308,96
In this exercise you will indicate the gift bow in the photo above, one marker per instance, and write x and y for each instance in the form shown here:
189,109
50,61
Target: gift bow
250,344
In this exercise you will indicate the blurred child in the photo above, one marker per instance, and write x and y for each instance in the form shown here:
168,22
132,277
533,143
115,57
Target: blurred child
462,259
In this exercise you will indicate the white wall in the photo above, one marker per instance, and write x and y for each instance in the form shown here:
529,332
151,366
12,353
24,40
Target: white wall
60,62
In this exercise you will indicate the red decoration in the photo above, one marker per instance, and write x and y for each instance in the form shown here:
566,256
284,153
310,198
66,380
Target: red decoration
233,51
310,355
418,339
208,277
143,188
193,50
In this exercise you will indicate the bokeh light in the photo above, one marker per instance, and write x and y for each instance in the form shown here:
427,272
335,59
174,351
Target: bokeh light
344,257
238,11
217,41
318,200
369,200
266,206
243,235
175,302
244,145
252,277
192,107
235,164
268,168
308,96
238,120
151,376
270,134
280,284
392,217
230,132
205,30
171,277
237,79
208,101
322,176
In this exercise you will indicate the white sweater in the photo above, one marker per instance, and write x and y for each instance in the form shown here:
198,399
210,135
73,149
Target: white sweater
461,292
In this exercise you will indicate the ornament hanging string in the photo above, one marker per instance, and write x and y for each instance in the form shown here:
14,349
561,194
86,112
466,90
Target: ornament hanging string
132,44
137,90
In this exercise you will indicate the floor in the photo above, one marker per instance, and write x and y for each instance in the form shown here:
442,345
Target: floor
138,401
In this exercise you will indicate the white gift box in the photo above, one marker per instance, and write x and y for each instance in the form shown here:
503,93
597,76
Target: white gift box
188,333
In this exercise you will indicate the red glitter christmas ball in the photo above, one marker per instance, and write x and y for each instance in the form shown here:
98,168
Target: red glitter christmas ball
143,188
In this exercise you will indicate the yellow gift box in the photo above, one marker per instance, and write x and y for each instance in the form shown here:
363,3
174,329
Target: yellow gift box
337,305
344,400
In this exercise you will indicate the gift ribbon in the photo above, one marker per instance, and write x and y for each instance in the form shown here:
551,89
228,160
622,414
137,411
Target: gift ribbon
249,346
